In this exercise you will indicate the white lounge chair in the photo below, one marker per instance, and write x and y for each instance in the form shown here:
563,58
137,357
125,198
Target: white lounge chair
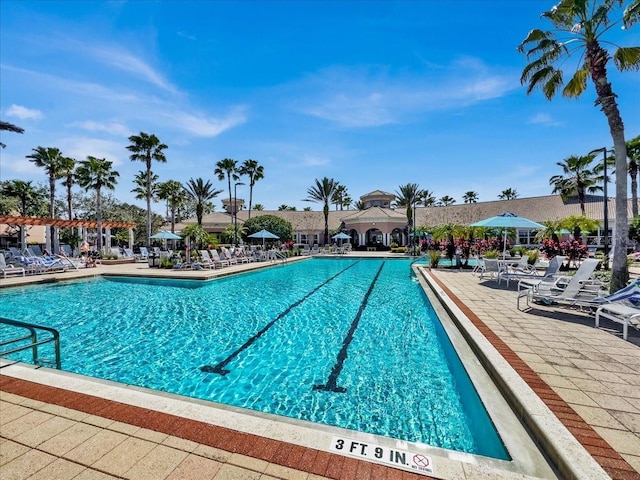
9,269
576,290
206,260
550,275
225,254
619,313
492,268
217,260
516,270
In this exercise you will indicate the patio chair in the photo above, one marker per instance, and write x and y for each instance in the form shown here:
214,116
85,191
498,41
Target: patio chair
576,290
306,250
225,254
492,268
217,260
144,254
206,260
550,274
619,313
516,270
8,268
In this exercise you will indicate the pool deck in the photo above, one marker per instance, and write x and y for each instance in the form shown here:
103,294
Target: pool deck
587,378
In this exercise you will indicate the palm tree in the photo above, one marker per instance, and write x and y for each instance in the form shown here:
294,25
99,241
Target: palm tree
201,193
322,192
585,22
470,197
96,174
578,178
172,192
226,168
359,205
258,206
633,153
508,194
408,196
339,196
67,173
255,172
25,192
10,127
142,180
427,198
27,195
446,201
147,148
49,158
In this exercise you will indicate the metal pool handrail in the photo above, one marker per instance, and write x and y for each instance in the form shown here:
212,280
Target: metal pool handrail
33,335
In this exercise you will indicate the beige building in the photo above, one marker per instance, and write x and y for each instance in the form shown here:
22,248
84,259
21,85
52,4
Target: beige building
380,223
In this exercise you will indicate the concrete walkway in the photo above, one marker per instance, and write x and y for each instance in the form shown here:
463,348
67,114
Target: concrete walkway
590,378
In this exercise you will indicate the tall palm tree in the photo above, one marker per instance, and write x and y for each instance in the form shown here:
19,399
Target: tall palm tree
578,178
255,172
9,127
470,197
172,192
508,194
322,192
147,148
67,173
407,197
633,153
51,159
201,193
227,168
96,174
339,196
584,23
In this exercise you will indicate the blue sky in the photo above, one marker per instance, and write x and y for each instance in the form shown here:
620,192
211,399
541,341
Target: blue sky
373,94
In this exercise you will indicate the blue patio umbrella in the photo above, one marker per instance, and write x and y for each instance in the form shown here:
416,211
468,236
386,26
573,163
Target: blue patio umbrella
341,236
508,220
165,235
264,234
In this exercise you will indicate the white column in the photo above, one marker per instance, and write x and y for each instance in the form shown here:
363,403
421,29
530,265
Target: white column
107,237
47,238
131,238
56,241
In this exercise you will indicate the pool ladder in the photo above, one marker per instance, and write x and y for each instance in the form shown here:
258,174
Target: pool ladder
279,256
34,342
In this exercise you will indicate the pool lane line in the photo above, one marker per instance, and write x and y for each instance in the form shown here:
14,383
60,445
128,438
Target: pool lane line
219,368
332,381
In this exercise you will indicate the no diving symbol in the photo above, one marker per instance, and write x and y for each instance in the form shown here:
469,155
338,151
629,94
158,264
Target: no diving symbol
421,460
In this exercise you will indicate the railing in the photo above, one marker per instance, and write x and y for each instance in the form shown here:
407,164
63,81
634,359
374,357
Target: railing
277,255
33,345
424,256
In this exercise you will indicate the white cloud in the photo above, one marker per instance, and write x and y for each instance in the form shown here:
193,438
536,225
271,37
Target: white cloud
23,113
127,62
544,119
112,128
203,126
367,97
81,147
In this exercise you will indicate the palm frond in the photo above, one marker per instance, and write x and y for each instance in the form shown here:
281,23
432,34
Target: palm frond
553,84
535,35
627,58
577,84
631,14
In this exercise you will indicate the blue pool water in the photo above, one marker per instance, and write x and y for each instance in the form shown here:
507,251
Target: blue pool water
347,342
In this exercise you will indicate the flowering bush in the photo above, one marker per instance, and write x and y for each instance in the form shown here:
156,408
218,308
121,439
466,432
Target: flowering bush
289,245
572,249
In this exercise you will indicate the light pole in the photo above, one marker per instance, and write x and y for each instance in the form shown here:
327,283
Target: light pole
606,206
413,217
235,213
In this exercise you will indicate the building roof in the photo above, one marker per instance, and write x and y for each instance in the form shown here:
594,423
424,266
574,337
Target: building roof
538,209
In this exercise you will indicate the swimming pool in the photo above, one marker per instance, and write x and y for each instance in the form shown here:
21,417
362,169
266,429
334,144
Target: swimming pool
347,342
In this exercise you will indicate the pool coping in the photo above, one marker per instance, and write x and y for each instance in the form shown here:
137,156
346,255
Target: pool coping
568,424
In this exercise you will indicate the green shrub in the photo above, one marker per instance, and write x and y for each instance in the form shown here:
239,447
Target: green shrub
491,254
533,256
434,258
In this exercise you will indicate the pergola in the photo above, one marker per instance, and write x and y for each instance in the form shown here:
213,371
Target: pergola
57,223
